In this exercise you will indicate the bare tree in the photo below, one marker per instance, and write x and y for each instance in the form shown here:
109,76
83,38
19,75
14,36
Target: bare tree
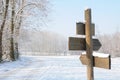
5,12
12,13
25,7
18,24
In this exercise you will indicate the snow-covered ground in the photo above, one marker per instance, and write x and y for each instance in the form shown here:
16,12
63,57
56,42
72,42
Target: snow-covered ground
54,68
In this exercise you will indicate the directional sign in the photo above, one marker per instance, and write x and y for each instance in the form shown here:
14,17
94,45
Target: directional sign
76,43
80,28
101,62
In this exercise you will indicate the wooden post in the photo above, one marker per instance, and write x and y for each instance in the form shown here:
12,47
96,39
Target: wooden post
89,46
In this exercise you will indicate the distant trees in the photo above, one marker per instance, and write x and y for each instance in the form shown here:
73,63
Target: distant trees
111,44
48,43
42,43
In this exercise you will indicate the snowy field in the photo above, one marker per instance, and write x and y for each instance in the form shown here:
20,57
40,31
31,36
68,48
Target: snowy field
54,68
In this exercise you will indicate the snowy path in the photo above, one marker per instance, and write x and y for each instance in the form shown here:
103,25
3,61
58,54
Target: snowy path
54,68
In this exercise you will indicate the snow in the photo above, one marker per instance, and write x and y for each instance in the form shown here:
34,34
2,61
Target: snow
54,68
86,8
82,36
103,55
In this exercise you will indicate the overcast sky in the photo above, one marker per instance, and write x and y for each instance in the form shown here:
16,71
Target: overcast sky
65,14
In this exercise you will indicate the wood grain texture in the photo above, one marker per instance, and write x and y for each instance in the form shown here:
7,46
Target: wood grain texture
100,62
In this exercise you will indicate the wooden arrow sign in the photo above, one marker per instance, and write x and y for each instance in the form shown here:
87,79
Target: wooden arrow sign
80,28
100,62
76,43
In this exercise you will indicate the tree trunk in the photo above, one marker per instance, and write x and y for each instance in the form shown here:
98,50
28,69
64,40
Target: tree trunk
17,29
1,45
12,57
2,26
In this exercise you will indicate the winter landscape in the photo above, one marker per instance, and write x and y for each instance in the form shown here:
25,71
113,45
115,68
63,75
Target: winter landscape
52,39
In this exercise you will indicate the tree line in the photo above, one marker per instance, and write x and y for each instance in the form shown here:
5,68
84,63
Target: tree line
35,42
110,44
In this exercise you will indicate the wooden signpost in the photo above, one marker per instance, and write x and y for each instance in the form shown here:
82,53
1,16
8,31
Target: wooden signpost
80,28
76,43
88,44
100,62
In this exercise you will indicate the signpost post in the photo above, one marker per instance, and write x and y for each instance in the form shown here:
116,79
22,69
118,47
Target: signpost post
88,44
